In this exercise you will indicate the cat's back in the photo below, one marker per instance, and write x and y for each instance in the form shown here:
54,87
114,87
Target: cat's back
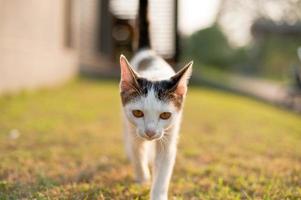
151,66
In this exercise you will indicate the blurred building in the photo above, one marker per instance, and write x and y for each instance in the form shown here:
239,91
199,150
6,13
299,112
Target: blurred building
108,29
265,28
37,43
44,43
274,46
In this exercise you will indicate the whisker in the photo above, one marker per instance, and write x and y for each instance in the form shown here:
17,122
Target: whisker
164,142
161,145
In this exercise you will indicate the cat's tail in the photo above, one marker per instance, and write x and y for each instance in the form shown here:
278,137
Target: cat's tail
143,25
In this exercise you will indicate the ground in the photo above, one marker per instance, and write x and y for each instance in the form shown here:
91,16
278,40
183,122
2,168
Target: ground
66,143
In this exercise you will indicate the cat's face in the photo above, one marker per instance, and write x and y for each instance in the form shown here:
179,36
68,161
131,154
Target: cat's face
152,106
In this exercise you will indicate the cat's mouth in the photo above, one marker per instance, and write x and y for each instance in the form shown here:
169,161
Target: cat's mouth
150,136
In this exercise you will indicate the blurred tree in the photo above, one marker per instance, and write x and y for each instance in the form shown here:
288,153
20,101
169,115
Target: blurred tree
211,47
270,30
236,17
274,47
257,37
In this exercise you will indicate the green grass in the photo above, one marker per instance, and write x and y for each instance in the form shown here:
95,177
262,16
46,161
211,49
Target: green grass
70,147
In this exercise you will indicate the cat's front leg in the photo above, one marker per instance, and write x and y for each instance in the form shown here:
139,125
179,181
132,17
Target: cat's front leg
163,167
139,159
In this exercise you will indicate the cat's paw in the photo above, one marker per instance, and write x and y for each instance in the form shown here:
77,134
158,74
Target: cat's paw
159,196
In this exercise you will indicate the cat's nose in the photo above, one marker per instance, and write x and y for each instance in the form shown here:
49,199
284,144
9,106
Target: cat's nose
150,133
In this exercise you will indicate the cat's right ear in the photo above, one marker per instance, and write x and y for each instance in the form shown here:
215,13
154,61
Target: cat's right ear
128,75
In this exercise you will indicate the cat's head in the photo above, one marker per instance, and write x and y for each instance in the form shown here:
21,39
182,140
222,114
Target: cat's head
152,106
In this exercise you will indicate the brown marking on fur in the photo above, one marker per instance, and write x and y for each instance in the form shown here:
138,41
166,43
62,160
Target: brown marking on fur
132,94
176,99
128,95
144,64
171,96
129,91
132,90
164,91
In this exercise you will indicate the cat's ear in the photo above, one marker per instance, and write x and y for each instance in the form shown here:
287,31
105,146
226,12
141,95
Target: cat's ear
128,75
181,78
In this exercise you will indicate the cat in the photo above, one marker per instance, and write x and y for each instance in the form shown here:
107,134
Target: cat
152,97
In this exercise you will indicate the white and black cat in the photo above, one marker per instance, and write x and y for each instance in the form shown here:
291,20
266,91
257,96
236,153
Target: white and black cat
152,96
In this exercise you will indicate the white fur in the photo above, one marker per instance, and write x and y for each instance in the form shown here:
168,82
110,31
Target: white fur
160,152
159,70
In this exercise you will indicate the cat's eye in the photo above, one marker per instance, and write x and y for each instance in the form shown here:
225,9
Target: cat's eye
138,113
165,115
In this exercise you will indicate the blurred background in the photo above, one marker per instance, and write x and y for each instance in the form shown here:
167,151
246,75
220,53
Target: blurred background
243,46
60,111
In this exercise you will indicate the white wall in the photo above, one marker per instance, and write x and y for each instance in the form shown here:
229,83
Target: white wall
32,49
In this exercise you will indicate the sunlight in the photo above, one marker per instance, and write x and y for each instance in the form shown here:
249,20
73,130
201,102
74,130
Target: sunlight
195,15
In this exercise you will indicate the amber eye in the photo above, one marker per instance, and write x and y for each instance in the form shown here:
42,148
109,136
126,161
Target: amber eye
165,115
138,113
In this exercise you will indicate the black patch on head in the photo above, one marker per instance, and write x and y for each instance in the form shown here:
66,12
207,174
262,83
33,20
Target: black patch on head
164,91
144,85
162,88
140,88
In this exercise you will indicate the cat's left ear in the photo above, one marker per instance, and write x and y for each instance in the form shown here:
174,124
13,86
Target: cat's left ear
181,78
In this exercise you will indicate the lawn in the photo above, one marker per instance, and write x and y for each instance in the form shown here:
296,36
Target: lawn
66,143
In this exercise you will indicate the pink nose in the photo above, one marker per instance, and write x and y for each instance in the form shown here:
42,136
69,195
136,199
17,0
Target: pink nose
149,133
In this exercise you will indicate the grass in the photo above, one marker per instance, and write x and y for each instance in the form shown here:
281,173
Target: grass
66,143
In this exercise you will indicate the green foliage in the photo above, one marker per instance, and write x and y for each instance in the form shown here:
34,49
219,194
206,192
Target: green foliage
273,56
269,56
210,47
71,147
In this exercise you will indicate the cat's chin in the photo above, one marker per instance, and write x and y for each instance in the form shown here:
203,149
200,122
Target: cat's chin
150,139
